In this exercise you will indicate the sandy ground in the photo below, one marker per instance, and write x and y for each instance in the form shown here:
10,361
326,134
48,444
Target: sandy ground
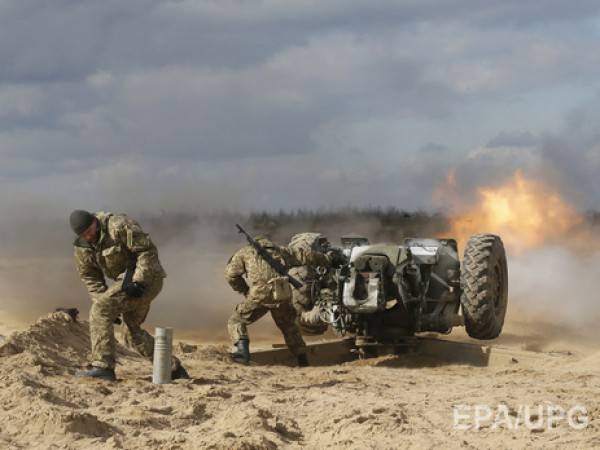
403,401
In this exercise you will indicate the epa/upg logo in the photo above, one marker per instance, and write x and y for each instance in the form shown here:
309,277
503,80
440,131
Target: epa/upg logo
545,416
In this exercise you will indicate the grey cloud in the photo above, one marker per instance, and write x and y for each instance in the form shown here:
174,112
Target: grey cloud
251,87
572,155
65,41
513,139
62,41
433,147
516,13
188,112
568,159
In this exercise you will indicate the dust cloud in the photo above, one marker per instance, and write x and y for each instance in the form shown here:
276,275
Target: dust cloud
553,255
37,273
553,269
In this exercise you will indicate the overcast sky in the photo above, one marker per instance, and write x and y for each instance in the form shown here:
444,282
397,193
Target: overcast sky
144,104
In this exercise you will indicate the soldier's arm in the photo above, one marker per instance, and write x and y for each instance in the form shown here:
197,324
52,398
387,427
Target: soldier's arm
234,273
89,271
147,264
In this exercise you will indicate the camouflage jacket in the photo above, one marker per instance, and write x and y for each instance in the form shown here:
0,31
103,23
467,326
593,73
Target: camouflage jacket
248,262
316,284
121,243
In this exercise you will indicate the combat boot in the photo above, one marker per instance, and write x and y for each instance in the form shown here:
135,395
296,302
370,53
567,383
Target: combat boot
98,372
302,360
242,354
178,372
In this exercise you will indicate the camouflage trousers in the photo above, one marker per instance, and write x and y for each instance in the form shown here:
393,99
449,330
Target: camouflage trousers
284,316
110,305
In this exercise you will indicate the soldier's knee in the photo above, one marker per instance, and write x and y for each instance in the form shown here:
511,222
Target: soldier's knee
284,321
133,321
102,313
234,321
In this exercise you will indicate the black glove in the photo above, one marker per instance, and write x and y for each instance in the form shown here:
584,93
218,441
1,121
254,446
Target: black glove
134,289
337,258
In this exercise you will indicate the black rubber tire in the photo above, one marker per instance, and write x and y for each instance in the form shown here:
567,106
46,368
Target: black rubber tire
484,284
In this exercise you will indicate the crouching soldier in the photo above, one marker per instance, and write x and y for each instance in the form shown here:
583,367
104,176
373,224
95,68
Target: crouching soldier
116,247
318,280
265,291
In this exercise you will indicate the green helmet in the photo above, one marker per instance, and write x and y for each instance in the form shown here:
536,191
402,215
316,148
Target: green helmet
314,241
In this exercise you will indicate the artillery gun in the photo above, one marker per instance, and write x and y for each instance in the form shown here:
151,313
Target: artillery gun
388,292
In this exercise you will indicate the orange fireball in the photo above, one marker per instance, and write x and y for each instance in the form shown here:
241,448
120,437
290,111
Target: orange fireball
524,212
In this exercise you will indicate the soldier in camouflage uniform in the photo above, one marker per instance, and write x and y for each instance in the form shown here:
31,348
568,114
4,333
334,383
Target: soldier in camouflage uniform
112,245
318,280
259,298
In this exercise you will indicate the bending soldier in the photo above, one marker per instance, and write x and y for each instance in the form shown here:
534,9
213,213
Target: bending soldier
265,293
115,246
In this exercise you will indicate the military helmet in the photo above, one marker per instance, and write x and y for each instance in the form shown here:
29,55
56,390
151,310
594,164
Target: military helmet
313,241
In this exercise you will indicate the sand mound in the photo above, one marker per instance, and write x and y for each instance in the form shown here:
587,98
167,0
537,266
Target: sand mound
55,343
44,410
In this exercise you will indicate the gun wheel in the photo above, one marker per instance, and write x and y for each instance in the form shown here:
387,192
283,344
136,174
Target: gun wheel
484,283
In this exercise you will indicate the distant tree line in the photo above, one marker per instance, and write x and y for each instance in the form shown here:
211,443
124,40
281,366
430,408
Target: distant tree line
376,223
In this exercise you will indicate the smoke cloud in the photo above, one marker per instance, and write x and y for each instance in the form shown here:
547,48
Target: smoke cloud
553,251
37,272
549,284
